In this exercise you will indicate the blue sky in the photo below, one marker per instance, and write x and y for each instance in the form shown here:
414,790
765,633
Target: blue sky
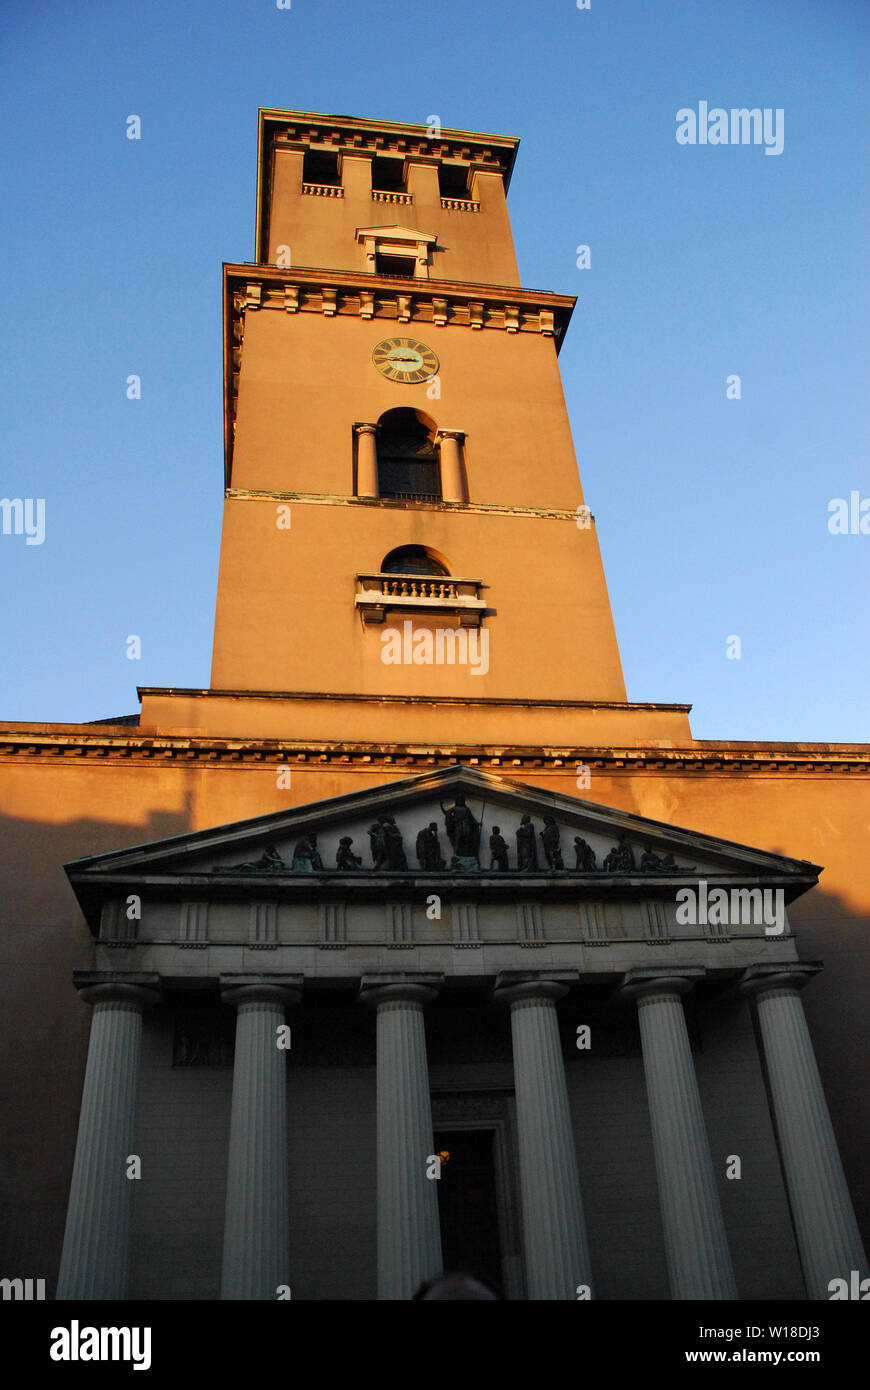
706,261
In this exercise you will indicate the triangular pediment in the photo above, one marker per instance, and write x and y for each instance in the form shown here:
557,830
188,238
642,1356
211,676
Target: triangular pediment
375,834
395,232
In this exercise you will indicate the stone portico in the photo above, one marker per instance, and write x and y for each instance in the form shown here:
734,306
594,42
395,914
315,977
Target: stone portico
321,1026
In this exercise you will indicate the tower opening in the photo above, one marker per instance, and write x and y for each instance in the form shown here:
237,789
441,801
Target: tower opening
408,458
388,174
453,180
402,266
412,559
321,166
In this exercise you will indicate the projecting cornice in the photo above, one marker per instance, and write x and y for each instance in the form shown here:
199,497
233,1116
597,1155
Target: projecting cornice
124,743
337,499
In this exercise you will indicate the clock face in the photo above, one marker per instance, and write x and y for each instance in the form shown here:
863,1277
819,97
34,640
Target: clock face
405,359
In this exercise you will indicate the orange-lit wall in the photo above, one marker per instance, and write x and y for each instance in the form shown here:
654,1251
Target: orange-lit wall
285,617
54,808
321,231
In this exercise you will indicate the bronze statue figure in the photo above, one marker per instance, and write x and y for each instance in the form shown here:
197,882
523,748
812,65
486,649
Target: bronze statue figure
378,842
345,857
620,859
527,850
584,855
395,849
269,861
668,866
552,843
463,831
652,863
428,848
498,850
306,856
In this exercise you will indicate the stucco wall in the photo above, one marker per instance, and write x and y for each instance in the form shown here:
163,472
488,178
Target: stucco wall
55,810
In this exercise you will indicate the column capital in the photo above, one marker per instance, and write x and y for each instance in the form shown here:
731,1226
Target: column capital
138,987
457,435
246,988
522,986
792,976
362,428
388,987
643,983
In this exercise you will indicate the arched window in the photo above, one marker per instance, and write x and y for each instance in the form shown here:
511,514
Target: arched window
412,559
408,459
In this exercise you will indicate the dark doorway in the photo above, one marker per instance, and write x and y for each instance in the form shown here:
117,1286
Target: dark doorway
467,1204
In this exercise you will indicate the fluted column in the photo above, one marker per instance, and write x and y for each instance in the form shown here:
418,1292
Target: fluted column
255,1253
696,1246
96,1245
452,480
366,460
554,1228
409,1233
824,1220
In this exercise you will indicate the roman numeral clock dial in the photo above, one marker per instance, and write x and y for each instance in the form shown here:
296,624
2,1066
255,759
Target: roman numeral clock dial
405,359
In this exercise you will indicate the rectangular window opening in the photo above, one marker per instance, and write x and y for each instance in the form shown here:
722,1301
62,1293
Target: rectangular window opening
453,180
388,175
410,477
395,265
321,166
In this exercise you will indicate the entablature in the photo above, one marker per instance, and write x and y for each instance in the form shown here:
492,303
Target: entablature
366,294
108,741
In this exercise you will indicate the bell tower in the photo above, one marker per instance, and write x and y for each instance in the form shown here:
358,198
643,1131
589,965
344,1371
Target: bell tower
403,512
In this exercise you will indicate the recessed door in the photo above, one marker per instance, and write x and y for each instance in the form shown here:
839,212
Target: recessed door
468,1204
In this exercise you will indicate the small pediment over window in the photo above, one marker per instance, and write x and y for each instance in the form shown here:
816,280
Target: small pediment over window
397,250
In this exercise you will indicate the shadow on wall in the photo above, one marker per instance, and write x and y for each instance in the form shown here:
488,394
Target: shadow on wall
43,1025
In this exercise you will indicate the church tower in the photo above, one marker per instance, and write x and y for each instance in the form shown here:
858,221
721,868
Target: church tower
400,948
403,512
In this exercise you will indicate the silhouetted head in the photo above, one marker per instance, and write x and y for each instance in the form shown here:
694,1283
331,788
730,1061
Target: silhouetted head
454,1286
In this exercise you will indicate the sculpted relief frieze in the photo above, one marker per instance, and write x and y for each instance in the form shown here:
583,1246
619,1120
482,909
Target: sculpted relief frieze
461,840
